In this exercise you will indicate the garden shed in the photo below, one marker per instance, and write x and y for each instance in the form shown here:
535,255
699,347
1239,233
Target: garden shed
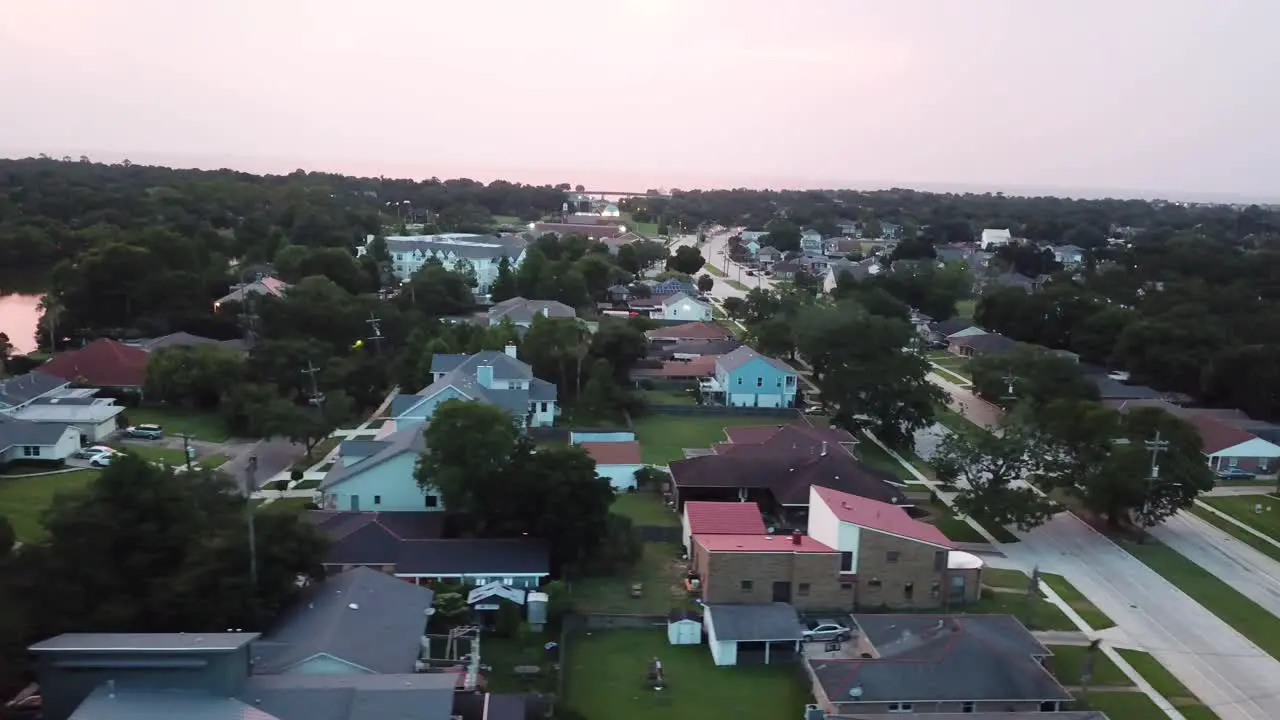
684,628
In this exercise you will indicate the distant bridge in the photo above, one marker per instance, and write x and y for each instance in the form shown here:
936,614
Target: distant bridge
622,193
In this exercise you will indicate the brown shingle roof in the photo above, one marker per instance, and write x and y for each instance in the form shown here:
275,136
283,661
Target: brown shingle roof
788,478
690,331
613,453
101,363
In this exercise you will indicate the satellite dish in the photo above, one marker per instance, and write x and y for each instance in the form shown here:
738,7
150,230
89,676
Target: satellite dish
855,691
429,611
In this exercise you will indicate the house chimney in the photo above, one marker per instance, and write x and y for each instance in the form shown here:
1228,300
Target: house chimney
824,448
546,311
795,537
511,350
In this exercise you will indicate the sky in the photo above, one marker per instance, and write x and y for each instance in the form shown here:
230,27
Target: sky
1163,98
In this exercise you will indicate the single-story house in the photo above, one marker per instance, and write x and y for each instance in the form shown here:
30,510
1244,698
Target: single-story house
265,285
785,270
753,633
681,306
906,663
981,345
521,312
408,545
719,518
103,363
955,327
689,331
691,349
1228,438
25,441
796,439
21,390
94,417
356,622
616,462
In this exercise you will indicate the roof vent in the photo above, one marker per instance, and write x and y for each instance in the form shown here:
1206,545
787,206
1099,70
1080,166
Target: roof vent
855,692
354,606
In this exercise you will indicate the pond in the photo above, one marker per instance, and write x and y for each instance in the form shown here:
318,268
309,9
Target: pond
20,310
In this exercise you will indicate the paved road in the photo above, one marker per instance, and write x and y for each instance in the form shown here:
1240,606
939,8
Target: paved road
716,250
273,456
1252,573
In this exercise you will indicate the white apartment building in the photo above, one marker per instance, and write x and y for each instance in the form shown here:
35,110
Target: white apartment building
482,252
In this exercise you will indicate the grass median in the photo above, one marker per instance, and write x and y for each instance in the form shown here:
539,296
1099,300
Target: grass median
1087,611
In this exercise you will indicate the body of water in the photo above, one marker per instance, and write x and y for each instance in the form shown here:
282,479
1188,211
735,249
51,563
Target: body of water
20,308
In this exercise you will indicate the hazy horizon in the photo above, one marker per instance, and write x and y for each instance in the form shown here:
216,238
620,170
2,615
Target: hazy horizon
1081,98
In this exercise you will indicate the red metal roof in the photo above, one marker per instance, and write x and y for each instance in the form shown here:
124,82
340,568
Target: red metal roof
613,453
101,363
1216,435
690,331
760,543
723,518
875,515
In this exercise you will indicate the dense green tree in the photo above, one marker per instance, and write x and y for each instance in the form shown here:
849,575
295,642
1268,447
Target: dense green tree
1030,376
296,262
705,283
198,376
556,349
621,343
308,424
434,291
783,236
993,472
504,285
687,260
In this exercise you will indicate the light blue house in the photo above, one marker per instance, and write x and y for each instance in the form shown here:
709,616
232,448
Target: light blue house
748,379
811,242
378,475
497,378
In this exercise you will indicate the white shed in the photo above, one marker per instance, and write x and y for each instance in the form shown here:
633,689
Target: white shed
684,628
753,633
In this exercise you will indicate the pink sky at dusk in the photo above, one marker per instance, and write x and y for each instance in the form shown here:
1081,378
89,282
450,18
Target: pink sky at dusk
1139,95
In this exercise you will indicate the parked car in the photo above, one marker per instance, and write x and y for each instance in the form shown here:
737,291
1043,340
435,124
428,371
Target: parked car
826,629
101,460
93,451
145,432
752,273
1235,474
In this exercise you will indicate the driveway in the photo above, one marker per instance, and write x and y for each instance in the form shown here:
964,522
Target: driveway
968,405
1225,670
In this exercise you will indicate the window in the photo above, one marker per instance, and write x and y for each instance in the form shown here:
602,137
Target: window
377,499
803,589
939,561
745,585
779,382
892,557
900,707
30,451
966,707
543,408
1049,706
508,581
846,586
908,590
935,591
739,381
846,562
481,581
874,583
432,501
759,382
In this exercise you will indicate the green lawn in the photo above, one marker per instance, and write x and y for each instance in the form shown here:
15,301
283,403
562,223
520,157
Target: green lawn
737,286
215,460
669,397
23,500
1067,664
155,453
176,421
1241,508
644,508
965,308
1236,610
997,578
1124,705
1087,611
648,229
712,270
660,573
958,530
607,679
1237,532
663,437
1043,616
875,456
507,220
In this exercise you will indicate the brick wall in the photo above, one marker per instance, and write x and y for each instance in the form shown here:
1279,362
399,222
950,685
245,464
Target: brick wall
812,579
889,565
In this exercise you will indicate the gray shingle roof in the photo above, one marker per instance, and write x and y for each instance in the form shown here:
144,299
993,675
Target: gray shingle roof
520,310
402,404
129,703
542,391
744,355
990,343
421,696
473,556
24,388
462,377
20,432
443,363
406,440
380,634
751,623
361,448
472,247
927,658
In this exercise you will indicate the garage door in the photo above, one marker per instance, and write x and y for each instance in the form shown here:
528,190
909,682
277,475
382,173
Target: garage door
770,401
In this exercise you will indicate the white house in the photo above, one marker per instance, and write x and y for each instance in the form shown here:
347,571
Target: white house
379,475
682,307
498,378
1068,255
774,629
616,462
36,442
21,390
993,238
455,251
811,241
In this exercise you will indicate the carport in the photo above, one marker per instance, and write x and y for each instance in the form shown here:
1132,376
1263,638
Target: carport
749,632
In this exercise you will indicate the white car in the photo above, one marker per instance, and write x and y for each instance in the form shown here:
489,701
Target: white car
101,460
820,630
93,450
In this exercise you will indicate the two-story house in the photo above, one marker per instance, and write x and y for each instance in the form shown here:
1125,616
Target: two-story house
1069,255
681,306
379,475
811,242
767,256
748,379
893,560
482,253
498,378
521,312
994,238
762,569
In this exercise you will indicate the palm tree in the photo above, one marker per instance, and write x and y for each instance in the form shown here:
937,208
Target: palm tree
52,310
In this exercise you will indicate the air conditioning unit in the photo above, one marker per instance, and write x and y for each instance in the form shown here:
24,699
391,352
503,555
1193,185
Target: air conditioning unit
419,666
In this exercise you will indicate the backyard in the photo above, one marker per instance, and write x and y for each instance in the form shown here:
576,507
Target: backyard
24,499
670,396
607,679
660,573
176,421
663,438
644,508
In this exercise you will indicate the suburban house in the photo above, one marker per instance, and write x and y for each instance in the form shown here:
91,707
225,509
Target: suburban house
183,339
1069,255
103,363
841,246
264,285
762,569
1113,388
348,650
615,243
954,328
1007,280
24,441
93,417
408,545
857,271
353,623
692,349
988,665
681,306
778,483
813,265
482,253
719,518
378,475
981,345
21,390
489,376
767,256
521,312
753,634
688,331
693,369
785,270
755,236
811,242
746,378
1228,438
994,238
662,288
797,439
593,232
893,560
616,461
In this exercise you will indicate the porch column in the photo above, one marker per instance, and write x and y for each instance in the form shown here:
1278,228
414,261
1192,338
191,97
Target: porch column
766,651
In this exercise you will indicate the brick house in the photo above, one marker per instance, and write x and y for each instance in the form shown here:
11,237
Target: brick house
103,363
763,569
894,560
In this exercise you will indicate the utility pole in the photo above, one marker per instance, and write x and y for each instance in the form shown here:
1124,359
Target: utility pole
1009,392
374,324
250,471
311,371
186,449
1156,446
